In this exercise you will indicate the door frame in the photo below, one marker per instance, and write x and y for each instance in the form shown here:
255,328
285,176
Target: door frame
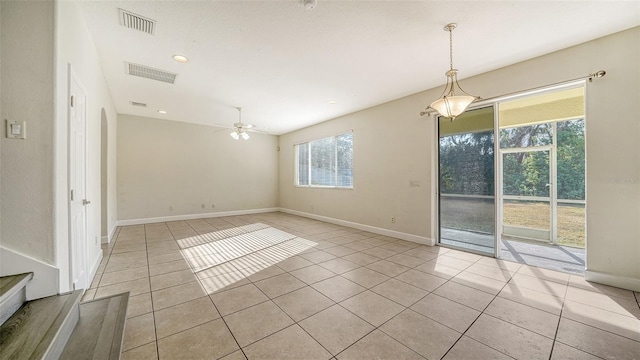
553,204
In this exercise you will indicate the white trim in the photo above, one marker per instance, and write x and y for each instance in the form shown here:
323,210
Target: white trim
467,196
613,280
193,216
376,230
94,268
324,137
45,280
527,198
107,239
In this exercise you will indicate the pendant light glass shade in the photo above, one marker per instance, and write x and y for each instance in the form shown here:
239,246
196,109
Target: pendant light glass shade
237,135
452,106
449,104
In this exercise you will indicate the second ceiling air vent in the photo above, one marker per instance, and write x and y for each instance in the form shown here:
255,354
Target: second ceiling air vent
136,22
135,103
150,73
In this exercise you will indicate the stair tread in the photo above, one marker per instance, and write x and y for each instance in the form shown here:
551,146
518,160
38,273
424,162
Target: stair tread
33,328
11,283
99,332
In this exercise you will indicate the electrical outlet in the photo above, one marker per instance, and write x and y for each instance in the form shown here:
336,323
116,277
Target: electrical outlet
393,219
213,206
204,206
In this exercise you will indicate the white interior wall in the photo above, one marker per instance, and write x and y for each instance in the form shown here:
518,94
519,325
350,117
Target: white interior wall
168,169
27,67
74,46
393,145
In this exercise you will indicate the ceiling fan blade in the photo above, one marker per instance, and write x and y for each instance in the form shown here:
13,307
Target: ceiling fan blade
243,125
256,130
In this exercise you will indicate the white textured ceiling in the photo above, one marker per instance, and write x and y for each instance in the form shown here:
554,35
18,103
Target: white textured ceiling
283,63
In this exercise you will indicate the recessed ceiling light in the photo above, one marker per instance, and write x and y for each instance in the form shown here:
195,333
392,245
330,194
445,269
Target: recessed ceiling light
162,111
180,58
332,102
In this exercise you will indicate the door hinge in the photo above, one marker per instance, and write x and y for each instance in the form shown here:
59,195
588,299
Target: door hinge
72,98
71,195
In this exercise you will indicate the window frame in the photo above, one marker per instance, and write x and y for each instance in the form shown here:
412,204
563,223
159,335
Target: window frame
297,163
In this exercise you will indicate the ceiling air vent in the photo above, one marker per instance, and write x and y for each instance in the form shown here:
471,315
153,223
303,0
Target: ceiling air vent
150,73
136,22
135,103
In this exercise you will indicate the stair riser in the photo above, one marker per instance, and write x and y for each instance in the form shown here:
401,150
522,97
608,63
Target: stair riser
64,333
12,304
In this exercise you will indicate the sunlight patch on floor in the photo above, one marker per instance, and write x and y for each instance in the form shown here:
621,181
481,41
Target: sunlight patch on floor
226,257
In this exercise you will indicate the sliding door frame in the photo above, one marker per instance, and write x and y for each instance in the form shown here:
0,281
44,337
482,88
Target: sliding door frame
498,181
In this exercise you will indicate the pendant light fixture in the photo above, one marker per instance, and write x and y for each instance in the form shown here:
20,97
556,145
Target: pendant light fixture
450,104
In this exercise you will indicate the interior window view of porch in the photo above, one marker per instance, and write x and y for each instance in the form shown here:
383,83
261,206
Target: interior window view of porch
538,174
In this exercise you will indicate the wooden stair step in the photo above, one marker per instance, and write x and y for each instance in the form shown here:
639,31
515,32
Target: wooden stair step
40,328
13,294
100,329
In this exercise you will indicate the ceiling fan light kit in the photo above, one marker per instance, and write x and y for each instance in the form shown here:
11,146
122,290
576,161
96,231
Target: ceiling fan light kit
239,131
449,104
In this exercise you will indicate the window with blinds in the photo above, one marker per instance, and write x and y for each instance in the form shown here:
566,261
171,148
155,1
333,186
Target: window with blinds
326,162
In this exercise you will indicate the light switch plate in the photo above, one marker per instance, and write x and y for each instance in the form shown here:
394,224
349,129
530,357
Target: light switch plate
16,129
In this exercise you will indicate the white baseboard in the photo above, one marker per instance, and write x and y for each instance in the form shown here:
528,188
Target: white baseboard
107,239
193,216
376,230
612,280
94,267
45,277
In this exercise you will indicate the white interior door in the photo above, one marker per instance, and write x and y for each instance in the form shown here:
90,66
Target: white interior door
78,184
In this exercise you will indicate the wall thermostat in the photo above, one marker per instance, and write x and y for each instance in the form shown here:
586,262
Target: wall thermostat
16,129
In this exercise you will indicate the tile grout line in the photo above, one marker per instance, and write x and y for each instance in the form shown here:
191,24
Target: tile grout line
292,319
215,307
476,319
555,336
153,309
369,288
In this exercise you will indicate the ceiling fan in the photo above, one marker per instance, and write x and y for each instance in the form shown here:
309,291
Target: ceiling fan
241,128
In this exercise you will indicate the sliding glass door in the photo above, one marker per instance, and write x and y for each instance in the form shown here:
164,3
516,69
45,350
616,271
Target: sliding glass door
513,174
466,185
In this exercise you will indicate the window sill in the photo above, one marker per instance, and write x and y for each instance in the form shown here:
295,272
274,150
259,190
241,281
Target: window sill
323,187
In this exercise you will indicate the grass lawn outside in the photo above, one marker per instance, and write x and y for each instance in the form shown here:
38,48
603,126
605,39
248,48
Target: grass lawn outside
478,215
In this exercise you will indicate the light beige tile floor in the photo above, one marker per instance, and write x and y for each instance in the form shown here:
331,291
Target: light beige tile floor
278,286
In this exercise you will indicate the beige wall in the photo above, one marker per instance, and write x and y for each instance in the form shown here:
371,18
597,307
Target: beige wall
393,145
163,164
391,148
27,68
39,40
